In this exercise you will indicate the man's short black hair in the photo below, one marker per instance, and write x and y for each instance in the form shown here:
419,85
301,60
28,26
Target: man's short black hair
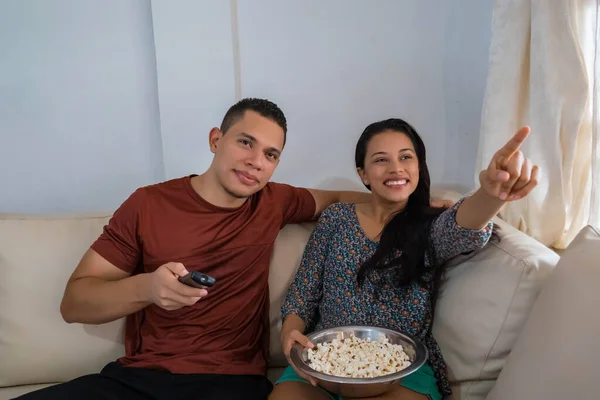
263,107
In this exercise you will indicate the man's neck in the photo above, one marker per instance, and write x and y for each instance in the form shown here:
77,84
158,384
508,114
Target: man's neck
208,187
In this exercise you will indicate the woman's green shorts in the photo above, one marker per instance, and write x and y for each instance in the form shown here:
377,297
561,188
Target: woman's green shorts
421,381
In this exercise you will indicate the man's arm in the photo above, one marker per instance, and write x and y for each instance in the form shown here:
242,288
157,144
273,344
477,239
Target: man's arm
99,292
325,198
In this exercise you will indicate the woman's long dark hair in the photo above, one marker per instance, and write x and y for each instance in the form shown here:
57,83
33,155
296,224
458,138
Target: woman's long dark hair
404,241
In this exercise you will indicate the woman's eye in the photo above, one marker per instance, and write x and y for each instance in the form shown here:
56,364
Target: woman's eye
380,160
407,157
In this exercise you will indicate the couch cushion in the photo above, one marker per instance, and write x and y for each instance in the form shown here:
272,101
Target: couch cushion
556,356
37,256
484,305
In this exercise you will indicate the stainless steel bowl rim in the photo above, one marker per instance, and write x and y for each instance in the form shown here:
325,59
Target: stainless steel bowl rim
421,357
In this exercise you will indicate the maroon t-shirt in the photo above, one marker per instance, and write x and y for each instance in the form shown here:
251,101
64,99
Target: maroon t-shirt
227,332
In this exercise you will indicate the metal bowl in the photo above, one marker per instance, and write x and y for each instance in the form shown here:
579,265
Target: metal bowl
360,387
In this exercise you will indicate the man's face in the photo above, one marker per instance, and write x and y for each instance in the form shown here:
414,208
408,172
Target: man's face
247,154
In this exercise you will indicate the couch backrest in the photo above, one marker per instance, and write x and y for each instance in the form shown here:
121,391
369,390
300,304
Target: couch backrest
479,315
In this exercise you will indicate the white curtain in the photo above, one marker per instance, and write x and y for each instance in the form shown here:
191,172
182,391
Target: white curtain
544,58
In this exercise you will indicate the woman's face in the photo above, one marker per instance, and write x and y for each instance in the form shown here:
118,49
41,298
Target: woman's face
391,166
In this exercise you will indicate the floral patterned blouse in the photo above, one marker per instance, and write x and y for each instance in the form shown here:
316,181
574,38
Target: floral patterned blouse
325,294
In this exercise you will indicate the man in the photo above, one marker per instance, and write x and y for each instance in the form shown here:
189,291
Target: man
185,342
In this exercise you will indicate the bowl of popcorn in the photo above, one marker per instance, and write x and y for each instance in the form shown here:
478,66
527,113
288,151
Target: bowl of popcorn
359,361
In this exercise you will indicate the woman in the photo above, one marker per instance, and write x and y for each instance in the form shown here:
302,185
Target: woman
381,263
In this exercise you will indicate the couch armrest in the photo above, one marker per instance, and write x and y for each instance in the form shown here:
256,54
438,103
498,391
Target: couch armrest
556,355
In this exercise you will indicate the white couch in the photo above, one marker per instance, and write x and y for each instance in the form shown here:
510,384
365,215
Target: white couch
482,312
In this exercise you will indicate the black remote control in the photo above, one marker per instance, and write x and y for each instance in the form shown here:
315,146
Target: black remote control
198,280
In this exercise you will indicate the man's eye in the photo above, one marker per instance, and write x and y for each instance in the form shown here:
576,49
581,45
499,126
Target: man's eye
245,142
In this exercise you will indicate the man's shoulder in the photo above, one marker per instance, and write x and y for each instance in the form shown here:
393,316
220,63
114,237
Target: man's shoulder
175,183
170,185
144,195
278,191
294,204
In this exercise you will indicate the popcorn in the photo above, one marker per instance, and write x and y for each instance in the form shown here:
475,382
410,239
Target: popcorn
358,358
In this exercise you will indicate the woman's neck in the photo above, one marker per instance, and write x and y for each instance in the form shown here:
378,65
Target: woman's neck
381,210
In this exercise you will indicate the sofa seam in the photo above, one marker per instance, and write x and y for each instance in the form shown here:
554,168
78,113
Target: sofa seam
521,259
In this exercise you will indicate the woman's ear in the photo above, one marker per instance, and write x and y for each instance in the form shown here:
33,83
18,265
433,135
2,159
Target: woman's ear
214,137
363,176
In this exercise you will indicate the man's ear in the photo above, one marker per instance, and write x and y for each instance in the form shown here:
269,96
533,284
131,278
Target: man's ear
214,137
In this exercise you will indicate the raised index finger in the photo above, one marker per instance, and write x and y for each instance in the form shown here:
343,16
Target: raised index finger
514,143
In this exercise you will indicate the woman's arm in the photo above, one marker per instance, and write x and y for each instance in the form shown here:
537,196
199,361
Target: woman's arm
467,225
449,238
304,294
299,309
476,211
510,176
